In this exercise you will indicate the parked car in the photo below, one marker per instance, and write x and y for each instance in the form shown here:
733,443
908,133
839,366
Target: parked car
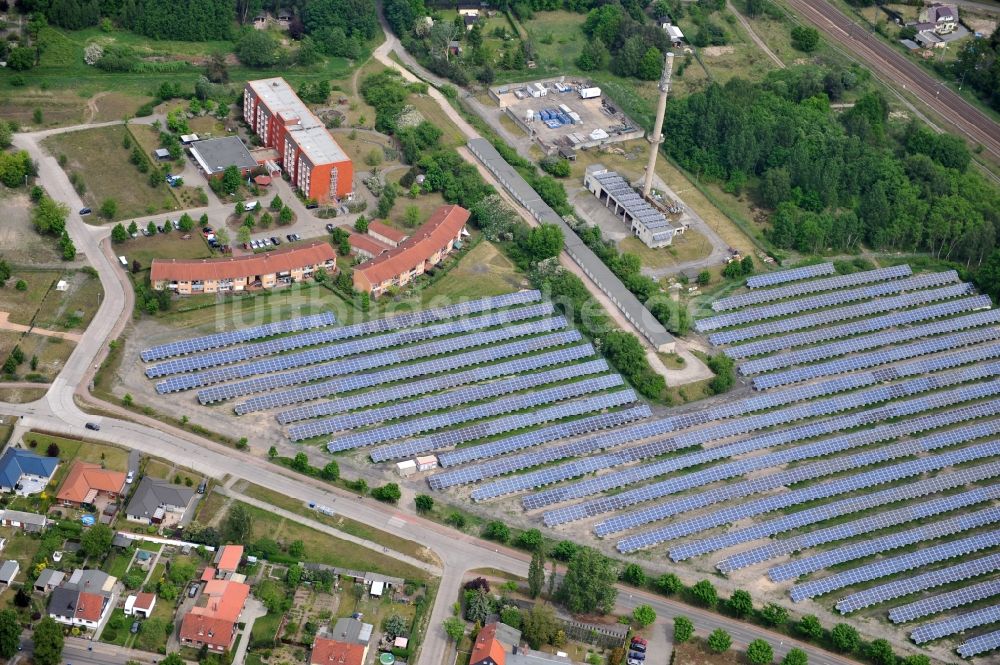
290,237
275,240
193,590
145,232
636,655
202,486
312,206
296,237
638,644
207,231
85,211
329,228
93,426
135,627
130,477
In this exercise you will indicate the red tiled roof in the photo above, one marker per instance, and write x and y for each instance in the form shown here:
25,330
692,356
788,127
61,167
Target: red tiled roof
225,599
332,652
89,606
368,244
385,230
279,260
212,631
208,574
487,648
431,237
229,558
84,477
144,601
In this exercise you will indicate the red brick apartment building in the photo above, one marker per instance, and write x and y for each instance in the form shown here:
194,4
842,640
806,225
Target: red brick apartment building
317,166
414,256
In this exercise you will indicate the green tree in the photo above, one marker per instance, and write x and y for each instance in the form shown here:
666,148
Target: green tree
796,656
511,616
96,542
48,639
759,652
704,277
844,637
424,503
394,626
651,65
589,583
530,539
644,615
300,462
880,652
257,48
805,38
185,223
238,525
272,452
388,493
5,272
276,203
10,633
243,235
740,603
669,583
151,228
231,179
496,530
411,216
285,217
539,626
536,573
683,629
109,207
21,285
594,56
774,614
809,627
719,641
331,471
119,233
361,224
454,628
542,242
634,574
704,593
917,659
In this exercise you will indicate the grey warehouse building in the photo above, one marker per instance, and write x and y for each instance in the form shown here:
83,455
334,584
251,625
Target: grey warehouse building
606,280
215,155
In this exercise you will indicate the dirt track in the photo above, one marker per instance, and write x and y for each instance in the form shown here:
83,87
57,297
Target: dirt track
962,116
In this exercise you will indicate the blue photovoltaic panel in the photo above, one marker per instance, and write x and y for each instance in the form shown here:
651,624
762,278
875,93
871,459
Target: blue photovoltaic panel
877,545
402,391
979,644
912,584
956,624
440,401
489,428
352,347
876,358
876,340
783,276
895,565
945,601
737,467
835,509
659,445
409,371
495,467
778,501
219,340
827,316
914,512
823,300
376,360
813,286
321,338
865,325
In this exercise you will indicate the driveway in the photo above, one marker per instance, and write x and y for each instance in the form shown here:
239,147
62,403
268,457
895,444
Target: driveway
254,610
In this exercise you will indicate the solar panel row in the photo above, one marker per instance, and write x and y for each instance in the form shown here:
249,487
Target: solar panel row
945,601
957,624
375,360
414,388
231,337
876,358
734,468
510,423
979,644
865,325
859,527
835,509
912,584
778,501
822,300
352,347
812,286
497,407
827,316
791,275
408,371
387,324
869,547
876,340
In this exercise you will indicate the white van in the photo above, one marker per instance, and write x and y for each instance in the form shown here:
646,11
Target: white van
251,205
123,261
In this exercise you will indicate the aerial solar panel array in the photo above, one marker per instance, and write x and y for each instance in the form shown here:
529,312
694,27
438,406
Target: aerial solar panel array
859,458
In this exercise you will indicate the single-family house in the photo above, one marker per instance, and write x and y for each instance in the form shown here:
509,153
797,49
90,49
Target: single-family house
8,571
941,18
92,579
24,473
48,580
227,560
159,502
351,631
212,622
334,652
140,605
30,522
86,482
72,607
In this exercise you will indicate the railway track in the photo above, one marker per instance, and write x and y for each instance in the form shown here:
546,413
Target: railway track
962,116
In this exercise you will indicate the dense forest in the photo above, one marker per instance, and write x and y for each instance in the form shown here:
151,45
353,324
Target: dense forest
837,180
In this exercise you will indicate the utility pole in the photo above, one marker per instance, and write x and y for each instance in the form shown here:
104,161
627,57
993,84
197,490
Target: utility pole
655,137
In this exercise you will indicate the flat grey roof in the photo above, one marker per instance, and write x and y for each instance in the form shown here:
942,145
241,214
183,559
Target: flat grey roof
214,155
606,280
311,135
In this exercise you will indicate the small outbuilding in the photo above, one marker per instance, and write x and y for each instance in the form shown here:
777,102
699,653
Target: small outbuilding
161,154
8,571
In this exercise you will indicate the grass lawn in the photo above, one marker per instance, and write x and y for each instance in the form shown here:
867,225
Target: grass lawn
435,115
322,548
103,164
21,548
339,522
116,565
51,352
163,246
158,469
558,40
209,507
688,246
113,458
23,305
118,636
74,308
483,272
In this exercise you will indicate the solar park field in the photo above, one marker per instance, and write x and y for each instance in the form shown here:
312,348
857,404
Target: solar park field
859,472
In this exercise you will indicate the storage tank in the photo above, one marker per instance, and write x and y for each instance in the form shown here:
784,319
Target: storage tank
590,93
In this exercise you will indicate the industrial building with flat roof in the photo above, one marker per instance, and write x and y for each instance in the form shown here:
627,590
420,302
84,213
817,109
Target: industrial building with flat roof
316,164
214,156
646,223
267,270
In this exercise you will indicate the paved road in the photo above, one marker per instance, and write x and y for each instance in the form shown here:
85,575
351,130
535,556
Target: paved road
960,114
